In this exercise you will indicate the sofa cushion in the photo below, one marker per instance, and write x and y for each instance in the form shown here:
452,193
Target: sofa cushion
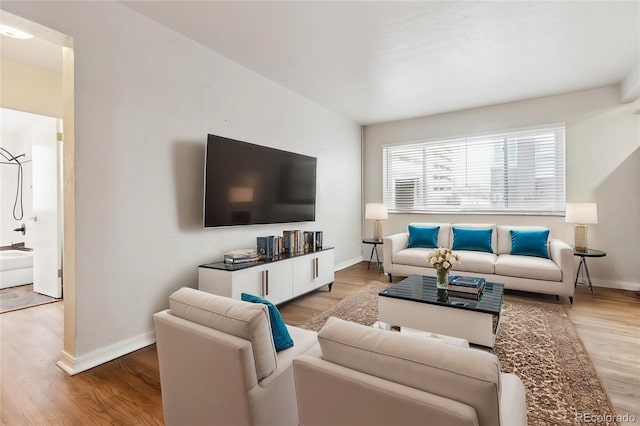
423,236
530,243
535,268
469,376
443,235
249,321
504,236
281,338
472,239
413,257
494,234
476,261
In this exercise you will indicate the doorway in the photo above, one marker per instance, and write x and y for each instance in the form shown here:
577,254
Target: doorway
30,209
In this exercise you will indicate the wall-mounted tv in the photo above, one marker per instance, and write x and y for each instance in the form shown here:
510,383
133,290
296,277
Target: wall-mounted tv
247,184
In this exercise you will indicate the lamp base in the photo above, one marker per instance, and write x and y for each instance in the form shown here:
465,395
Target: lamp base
377,230
580,238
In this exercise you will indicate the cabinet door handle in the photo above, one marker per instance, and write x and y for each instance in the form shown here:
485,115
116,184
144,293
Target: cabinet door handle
262,283
267,275
317,267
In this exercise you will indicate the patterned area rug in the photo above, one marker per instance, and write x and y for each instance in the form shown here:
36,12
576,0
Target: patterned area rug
536,340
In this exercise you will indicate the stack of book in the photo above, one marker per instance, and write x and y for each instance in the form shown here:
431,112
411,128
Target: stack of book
291,242
267,247
466,287
312,240
296,242
236,257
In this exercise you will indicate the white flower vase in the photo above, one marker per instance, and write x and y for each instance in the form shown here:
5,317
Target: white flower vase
442,278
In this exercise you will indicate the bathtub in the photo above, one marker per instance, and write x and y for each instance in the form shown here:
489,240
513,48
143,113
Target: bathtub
16,268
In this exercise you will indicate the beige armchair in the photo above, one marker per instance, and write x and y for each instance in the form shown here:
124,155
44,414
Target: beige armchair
367,376
218,364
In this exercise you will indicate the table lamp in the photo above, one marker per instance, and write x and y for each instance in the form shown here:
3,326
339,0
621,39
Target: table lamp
376,212
581,214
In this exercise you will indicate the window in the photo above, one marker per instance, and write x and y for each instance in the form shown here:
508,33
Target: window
509,172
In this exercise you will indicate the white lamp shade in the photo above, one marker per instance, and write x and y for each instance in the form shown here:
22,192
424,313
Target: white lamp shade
376,211
582,213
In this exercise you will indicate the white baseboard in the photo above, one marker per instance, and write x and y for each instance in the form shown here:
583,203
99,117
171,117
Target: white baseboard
622,285
348,263
74,365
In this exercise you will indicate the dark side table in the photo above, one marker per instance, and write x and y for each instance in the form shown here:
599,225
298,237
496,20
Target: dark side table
375,242
583,264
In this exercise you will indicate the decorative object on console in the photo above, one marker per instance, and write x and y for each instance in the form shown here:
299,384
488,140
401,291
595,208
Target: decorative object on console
241,256
581,214
376,212
292,242
443,259
266,247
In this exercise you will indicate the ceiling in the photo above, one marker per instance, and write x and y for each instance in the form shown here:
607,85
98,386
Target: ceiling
387,60
380,61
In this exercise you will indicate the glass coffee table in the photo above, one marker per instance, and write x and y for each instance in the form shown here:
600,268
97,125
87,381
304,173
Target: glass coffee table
416,302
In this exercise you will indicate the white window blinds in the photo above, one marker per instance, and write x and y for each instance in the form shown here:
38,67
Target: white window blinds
515,172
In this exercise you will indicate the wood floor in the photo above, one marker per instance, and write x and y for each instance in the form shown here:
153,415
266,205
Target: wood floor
126,391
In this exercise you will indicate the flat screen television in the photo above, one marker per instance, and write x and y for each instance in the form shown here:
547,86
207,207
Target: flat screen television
247,184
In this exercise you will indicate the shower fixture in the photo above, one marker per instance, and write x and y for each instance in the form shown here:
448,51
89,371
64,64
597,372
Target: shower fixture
18,209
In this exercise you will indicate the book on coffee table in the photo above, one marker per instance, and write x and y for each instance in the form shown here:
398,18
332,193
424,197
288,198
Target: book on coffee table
468,296
461,281
468,287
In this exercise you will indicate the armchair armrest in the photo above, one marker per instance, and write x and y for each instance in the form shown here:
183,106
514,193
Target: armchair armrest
513,403
393,244
562,254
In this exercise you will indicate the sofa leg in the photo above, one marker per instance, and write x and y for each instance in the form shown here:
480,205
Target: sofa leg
571,299
557,298
390,278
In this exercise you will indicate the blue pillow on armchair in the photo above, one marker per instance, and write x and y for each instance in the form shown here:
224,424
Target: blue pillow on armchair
472,239
530,243
423,236
281,338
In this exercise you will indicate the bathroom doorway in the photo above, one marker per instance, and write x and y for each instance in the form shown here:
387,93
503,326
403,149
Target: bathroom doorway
31,215
30,209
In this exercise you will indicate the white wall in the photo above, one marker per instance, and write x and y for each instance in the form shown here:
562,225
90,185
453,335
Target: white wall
603,166
145,99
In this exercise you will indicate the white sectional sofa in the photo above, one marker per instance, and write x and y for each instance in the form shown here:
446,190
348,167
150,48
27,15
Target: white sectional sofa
527,273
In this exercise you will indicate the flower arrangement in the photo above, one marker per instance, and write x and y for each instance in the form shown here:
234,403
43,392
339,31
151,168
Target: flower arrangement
442,260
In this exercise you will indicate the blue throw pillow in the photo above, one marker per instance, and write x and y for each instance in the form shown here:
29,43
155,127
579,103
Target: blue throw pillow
423,236
530,243
472,239
281,338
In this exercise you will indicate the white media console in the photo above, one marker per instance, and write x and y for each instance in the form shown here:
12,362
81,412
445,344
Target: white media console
275,280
